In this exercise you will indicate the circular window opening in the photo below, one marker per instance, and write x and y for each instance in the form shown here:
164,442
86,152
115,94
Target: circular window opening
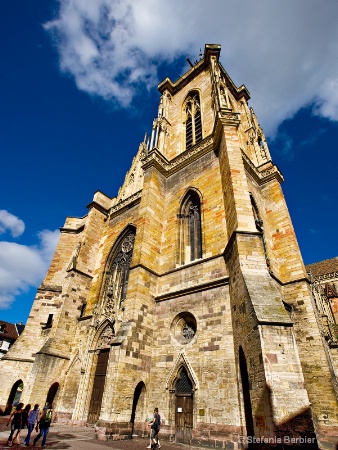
184,327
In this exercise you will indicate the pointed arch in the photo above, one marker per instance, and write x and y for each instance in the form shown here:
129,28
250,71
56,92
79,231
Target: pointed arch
104,333
116,274
100,347
14,396
138,409
52,393
76,358
190,227
192,119
181,363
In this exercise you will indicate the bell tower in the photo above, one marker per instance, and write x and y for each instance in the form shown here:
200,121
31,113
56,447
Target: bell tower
187,292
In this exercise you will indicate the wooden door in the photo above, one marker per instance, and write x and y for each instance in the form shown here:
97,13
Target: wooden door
98,386
184,418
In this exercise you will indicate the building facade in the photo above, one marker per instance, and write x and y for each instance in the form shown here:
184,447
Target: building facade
186,292
9,332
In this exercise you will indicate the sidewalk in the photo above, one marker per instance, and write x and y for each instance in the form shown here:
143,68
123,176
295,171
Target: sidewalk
67,437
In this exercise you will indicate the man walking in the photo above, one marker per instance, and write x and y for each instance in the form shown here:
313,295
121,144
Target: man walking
33,417
44,424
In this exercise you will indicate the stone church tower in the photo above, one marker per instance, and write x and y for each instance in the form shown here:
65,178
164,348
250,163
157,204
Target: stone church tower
186,292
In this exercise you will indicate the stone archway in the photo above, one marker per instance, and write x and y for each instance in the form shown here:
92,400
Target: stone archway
101,352
137,413
184,407
53,390
14,396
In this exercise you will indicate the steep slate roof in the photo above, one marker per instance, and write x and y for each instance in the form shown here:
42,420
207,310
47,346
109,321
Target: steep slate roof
323,267
10,331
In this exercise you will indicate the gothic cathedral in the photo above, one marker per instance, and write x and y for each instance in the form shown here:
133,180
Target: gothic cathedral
186,292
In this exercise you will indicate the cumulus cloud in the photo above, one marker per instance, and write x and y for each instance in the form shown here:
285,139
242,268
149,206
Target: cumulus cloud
286,52
11,223
23,266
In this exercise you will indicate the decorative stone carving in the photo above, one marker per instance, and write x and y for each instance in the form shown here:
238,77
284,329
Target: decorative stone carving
105,338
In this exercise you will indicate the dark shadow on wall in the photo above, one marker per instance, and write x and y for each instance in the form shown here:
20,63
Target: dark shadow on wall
295,433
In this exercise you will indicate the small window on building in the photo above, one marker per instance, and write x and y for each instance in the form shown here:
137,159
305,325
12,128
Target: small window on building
2,328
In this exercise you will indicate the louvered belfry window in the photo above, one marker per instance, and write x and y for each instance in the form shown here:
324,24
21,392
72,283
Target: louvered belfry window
193,120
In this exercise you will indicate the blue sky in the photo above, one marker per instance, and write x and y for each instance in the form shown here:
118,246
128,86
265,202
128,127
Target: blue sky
78,92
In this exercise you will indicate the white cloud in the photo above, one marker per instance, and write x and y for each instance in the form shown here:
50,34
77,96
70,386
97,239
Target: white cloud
284,51
11,223
22,266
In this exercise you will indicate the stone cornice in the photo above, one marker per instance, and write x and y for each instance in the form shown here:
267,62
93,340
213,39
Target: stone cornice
173,87
177,269
324,277
54,355
10,358
210,50
262,176
125,204
72,230
79,272
210,284
168,168
49,287
99,207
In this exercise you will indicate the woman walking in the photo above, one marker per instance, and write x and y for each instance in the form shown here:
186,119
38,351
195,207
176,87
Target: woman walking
16,422
24,422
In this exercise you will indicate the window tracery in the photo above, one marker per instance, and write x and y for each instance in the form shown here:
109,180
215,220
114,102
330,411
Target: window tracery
193,120
117,275
191,230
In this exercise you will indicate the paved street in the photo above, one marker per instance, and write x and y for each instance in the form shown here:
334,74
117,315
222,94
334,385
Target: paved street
63,437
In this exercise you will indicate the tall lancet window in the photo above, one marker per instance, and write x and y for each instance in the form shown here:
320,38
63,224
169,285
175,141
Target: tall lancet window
193,120
117,274
191,229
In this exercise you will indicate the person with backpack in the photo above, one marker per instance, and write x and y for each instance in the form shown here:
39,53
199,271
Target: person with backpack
44,424
155,424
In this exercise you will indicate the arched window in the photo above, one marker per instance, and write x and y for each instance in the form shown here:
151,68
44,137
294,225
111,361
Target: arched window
191,230
193,120
117,274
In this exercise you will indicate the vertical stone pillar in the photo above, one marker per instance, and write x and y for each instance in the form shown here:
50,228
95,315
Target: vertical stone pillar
262,326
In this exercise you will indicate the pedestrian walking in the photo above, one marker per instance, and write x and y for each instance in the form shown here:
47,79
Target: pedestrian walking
24,423
44,424
32,421
155,424
15,419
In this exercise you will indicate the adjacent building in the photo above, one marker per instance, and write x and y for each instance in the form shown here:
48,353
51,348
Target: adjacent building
9,333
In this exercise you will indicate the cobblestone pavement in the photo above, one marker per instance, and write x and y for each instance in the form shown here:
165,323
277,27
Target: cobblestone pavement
67,437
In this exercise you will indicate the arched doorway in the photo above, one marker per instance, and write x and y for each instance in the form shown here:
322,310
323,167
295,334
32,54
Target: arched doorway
14,396
140,388
183,407
52,393
102,357
246,394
